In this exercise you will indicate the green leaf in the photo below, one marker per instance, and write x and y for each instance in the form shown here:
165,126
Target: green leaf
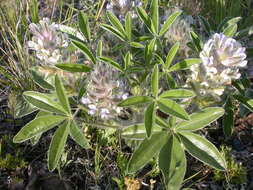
185,64
206,25
61,94
155,14
155,81
171,81
227,22
20,107
72,32
135,100
85,50
78,136
136,45
172,163
228,119
39,80
127,60
171,55
150,115
203,150
34,140
147,21
149,51
100,48
113,31
109,61
177,94
57,144
37,126
234,20
170,20
161,122
73,67
138,131
43,102
84,25
116,23
246,102
146,151
196,41
128,26
170,107
200,119
230,30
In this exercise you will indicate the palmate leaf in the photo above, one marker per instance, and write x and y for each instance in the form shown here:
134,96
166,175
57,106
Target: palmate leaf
246,102
145,18
37,126
128,26
149,51
39,80
170,20
116,23
230,30
34,140
61,94
74,68
196,41
200,119
228,118
205,24
172,163
135,100
111,62
155,81
177,94
150,115
84,25
146,151
57,144
155,14
78,136
99,51
43,102
113,31
171,54
185,64
170,107
85,50
203,150
138,131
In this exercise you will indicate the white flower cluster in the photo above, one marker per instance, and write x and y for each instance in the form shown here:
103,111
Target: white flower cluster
222,57
47,41
121,7
104,93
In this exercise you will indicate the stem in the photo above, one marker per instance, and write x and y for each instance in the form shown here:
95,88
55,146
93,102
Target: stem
100,9
76,112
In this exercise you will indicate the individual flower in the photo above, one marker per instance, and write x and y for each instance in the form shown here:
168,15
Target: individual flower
121,7
104,92
47,41
221,59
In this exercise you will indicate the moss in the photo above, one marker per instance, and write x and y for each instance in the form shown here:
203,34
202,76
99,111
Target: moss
11,162
235,174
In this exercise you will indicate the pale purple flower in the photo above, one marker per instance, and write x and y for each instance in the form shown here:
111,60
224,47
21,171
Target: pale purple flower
47,41
104,92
